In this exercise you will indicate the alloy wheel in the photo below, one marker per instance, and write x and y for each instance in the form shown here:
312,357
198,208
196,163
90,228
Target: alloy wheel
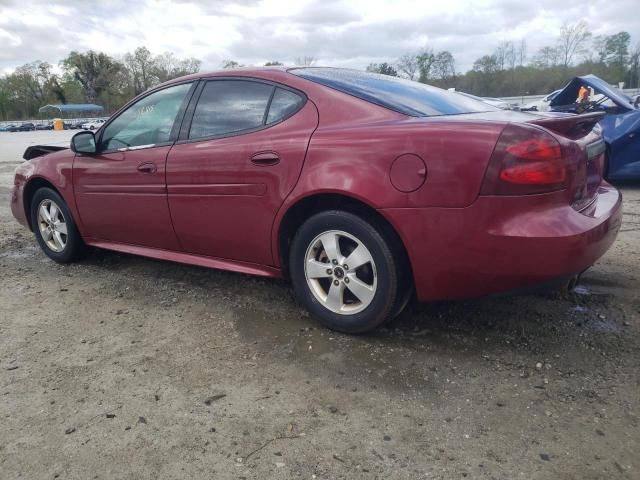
340,272
52,225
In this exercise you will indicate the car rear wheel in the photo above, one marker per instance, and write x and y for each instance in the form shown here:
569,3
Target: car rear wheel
54,227
344,272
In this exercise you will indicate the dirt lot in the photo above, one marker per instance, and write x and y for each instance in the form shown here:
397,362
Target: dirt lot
129,368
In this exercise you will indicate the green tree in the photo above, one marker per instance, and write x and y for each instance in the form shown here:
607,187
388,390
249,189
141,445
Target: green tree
425,60
97,72
616,49
5,100
613,52
634,67
230,64
28,88
34,78
486,64
142,69
444,65
383,68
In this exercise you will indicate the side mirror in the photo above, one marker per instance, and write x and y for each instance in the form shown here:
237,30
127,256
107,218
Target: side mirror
636,101
84,142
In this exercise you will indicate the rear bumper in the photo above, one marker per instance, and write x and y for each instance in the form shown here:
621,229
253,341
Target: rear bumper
501,244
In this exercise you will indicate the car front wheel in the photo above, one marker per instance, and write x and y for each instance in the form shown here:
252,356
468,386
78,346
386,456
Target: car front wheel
54,227
344,272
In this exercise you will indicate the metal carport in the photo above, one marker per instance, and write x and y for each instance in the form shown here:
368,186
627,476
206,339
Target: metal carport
72,108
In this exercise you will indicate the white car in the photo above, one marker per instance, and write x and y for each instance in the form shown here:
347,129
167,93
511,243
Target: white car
93,125
541,105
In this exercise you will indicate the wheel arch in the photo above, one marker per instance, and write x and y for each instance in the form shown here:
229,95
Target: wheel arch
307,206
33,185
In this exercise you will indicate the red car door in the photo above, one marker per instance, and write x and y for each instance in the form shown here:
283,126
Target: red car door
121,191
236,162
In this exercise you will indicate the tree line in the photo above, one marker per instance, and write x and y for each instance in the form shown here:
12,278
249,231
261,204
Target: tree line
510,71
91,77
95,77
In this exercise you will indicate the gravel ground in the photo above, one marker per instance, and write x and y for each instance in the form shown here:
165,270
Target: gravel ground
130,368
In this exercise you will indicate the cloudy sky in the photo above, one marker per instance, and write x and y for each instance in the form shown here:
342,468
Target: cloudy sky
349,33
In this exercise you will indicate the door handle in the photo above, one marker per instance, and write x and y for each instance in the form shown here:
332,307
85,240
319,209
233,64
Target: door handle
147,167
265,159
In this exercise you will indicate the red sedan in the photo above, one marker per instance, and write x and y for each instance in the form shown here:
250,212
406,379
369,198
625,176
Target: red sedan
359,188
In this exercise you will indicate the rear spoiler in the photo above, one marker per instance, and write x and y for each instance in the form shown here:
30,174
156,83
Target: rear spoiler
40,150
570,125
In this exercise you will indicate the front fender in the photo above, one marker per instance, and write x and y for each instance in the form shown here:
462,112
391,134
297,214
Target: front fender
54,170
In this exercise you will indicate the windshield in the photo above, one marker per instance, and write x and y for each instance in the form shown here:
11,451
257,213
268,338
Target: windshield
404,96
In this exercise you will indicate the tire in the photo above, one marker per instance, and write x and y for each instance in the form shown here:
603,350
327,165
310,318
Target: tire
49,232
349,299
405,292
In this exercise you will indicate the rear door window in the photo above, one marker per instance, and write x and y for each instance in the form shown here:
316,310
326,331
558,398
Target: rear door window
230,106
284,104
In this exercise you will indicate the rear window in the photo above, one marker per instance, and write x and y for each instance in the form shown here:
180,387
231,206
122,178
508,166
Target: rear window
404,96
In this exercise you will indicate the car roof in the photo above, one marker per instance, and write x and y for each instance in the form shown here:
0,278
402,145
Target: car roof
231,72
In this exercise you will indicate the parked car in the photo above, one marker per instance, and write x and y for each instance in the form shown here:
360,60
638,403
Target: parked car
541,105
23,127
5,128
620,123
93,125
75,125
44,126
359,188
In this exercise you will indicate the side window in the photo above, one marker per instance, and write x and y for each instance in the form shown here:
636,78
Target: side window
228,106
284,103
146,122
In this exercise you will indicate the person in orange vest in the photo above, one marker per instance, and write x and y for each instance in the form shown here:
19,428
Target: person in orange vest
583,94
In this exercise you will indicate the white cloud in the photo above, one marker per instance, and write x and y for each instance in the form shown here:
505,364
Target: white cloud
342,33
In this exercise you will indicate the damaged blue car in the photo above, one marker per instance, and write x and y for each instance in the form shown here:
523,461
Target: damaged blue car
620,125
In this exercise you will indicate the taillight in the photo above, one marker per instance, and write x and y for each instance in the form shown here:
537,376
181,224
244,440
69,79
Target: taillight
526,160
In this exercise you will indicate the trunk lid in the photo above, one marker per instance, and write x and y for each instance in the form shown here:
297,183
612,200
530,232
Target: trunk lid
584,149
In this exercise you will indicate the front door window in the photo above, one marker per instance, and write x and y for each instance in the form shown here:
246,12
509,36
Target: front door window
148,122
